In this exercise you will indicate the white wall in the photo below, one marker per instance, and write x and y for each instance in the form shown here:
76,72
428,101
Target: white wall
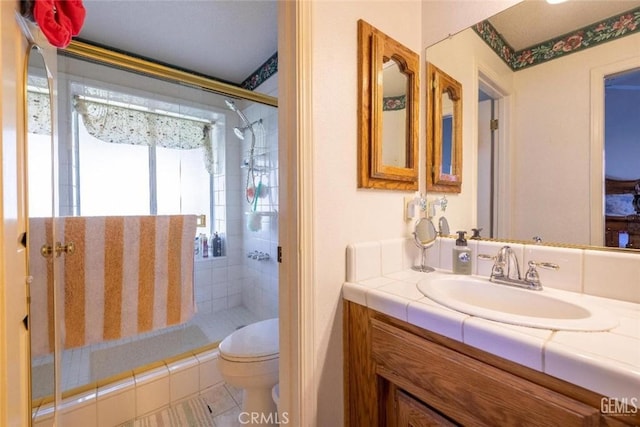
343,214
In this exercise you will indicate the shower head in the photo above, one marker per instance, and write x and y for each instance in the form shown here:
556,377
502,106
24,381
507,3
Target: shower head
239,131
231,105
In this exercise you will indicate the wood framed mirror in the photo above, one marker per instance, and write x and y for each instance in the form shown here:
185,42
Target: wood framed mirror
444,132
388,77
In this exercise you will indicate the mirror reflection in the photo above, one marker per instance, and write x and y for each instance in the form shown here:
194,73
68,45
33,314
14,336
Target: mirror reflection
446,166
394,115
444,132
539,117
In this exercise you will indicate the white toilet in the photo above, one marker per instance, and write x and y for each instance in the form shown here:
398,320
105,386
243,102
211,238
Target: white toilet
249,360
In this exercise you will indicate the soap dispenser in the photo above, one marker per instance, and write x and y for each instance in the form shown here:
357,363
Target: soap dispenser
461,255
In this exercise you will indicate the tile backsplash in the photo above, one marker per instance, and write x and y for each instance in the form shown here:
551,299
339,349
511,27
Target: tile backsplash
608,274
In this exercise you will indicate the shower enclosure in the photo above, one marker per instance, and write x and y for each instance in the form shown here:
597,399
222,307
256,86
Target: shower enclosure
142,172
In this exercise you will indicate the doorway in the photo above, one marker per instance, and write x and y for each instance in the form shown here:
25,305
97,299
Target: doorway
490,192
621,147
487,131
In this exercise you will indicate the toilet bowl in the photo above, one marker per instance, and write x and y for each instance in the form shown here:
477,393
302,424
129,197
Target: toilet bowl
249,360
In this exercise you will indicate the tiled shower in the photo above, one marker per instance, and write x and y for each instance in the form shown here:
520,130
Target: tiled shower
248,273
233,290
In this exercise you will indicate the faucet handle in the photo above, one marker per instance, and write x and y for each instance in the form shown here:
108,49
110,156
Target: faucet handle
532,276
547,265
498,265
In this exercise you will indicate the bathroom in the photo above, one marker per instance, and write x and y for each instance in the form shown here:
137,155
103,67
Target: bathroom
335,213
213,174
469,333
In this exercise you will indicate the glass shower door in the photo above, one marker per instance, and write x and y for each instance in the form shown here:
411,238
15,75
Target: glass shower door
41,250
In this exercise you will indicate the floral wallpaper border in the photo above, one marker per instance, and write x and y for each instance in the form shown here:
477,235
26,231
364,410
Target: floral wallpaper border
392,103
266,70
607,30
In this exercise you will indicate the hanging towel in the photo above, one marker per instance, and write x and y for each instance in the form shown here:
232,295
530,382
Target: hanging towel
128,275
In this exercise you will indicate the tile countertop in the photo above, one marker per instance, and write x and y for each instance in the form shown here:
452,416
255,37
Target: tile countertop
604,362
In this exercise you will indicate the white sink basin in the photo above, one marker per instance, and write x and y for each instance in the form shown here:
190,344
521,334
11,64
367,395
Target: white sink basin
547,309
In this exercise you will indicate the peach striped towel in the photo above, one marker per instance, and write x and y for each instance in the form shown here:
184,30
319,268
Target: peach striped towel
128,275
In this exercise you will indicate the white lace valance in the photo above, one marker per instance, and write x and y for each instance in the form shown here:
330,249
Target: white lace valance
122,125
39,112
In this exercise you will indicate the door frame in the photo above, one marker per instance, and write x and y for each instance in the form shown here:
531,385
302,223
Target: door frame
296,236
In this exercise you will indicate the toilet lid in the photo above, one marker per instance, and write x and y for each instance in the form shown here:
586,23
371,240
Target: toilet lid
255,341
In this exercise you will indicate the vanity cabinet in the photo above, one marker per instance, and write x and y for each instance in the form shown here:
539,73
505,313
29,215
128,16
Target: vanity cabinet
397,374
412,412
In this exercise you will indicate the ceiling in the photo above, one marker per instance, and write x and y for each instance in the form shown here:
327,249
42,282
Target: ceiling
532,22
224,39
230,39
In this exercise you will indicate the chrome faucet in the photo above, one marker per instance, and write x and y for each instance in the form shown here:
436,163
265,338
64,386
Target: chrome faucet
506,270
259,256
506,266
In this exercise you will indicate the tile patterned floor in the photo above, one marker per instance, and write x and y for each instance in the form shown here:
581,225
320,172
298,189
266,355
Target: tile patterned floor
76,363
225,401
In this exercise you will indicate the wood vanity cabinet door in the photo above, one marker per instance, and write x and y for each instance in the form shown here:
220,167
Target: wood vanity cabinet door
413,413
467,390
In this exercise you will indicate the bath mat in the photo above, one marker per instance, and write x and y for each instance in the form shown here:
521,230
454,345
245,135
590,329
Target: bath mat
190,413
111,361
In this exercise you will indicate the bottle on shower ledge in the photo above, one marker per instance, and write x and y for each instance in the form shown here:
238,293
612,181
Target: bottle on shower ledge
216,243
205,246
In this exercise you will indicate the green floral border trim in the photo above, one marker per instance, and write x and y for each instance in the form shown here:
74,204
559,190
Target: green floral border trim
266,70
393,103
610,29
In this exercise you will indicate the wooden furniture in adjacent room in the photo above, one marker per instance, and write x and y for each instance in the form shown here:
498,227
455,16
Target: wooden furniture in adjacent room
617,223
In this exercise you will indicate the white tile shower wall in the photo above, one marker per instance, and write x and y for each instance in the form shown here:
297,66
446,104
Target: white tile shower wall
608,274
259,279
214,285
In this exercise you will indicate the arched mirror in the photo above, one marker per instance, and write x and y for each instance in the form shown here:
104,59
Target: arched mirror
444,132
394,115
39,170
388,108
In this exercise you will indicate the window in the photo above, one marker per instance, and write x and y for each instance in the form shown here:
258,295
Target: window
137,161
113,178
